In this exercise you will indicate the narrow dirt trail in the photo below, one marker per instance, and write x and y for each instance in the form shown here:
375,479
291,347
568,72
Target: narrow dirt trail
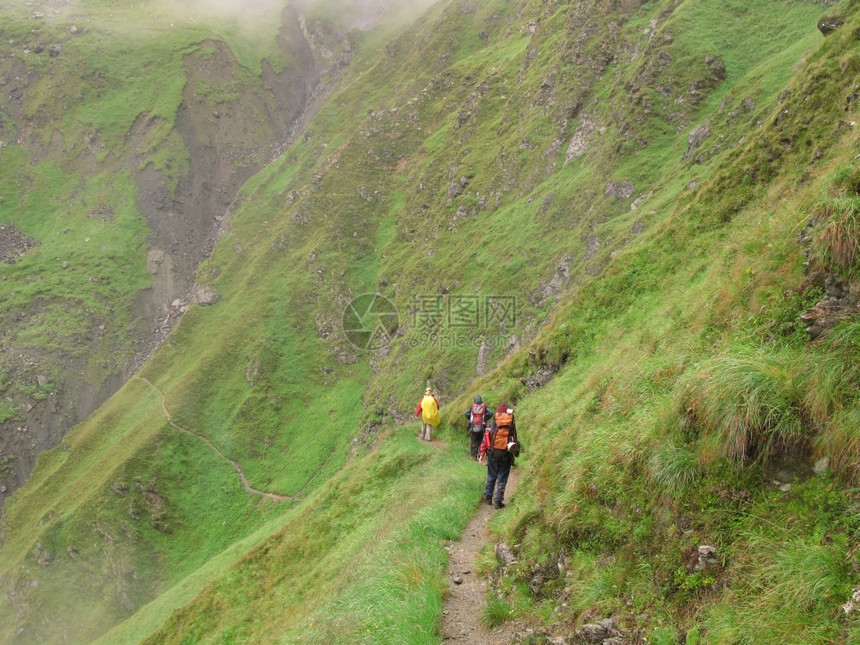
461,619
245,483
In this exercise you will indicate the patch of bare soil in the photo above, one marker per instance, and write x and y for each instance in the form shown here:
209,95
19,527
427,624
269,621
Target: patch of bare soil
461,620
13,243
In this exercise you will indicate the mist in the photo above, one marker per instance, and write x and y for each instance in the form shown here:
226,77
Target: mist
351,14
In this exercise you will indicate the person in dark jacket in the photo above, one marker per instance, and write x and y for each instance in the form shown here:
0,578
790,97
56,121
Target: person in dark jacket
498,439
477,416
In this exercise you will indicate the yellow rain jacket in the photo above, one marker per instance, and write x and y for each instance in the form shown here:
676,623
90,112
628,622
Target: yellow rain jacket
430,411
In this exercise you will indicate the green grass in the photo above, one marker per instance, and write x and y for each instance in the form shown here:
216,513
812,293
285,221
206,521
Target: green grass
837,245
496,612
359,553
745,22
751,400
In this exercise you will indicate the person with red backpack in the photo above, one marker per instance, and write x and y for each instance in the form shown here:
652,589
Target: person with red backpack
500,445
477,416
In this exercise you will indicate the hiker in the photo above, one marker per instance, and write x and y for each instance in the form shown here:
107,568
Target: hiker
477,416
428,410
499,445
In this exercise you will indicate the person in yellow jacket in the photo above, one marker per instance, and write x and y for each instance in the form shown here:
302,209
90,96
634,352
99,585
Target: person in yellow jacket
428,410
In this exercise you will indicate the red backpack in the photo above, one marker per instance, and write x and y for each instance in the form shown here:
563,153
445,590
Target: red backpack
478,410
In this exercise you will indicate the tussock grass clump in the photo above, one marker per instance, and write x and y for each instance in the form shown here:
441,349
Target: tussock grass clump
846,180
751,400
841,443
837,245
496,612
836,370
673,467
833,398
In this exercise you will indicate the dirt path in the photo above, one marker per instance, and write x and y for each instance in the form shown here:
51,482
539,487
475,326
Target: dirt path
248,488
461,619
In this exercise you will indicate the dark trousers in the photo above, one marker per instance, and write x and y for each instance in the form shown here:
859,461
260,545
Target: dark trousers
475,438
498,468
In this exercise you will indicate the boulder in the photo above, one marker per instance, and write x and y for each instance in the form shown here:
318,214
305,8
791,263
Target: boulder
205,295
828,24
599,632
504,554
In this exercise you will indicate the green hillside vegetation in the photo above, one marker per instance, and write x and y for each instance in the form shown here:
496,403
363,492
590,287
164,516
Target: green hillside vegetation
80,125
635,296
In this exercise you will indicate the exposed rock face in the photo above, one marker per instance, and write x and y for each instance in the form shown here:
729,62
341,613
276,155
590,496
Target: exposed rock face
205,295
504,554
716,67
227,143
840,301
696,137
556,284
580,140
483,362
620,189
707,557
540,377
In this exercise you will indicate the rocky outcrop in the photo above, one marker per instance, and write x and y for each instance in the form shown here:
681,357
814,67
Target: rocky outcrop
841,301
600,632
696,137
620,189
828,24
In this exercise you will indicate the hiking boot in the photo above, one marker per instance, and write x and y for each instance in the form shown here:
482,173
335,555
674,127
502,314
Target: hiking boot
488,499
498,504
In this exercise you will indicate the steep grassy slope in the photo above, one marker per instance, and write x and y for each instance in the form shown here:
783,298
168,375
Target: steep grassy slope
590,211
115,182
